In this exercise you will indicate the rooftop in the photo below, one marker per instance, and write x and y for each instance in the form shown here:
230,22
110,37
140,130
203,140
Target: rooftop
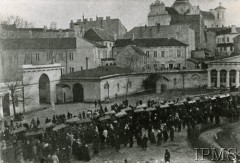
96,34
208,15
38,43
99,72
149,42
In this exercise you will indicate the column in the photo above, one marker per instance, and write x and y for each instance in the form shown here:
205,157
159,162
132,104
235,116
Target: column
227,79
237,78
218,78
1,106
209,79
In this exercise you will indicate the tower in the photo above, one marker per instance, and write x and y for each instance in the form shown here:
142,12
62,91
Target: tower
219,13
158,14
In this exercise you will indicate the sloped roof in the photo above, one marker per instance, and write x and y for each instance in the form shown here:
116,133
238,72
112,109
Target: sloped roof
98,72
96,34
97,45
207,15
149,42
138,50
171,11
38,43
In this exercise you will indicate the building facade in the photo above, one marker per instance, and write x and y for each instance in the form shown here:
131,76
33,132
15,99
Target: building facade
167,53
225,41
74,54
136,59
183,12
101,37
224,73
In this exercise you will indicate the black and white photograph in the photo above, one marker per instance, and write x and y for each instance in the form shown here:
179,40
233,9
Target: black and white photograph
119,81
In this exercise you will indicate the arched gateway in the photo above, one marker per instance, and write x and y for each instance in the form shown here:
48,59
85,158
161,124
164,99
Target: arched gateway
44,89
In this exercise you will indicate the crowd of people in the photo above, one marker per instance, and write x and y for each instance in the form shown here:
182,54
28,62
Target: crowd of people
65,137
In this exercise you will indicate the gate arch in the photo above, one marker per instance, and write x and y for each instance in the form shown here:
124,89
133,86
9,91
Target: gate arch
78,93
44,89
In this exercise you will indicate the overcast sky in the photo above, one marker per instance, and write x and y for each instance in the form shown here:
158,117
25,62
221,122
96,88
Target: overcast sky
130,12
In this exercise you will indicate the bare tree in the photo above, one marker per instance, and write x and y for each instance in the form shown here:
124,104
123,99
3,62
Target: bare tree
13,81
15,20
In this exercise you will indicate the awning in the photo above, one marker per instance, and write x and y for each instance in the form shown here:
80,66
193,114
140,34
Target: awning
139,110
150,109
142,106
21,129
33,133
75,119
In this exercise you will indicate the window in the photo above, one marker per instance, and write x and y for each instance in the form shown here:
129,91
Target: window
155,54
99,54
231,48
37,57
155,66
178,65
225,48
71,69
162,54
118,87
228,39
178,53
147,52
129,84
71,56
163,66
223,40
60,56
49,56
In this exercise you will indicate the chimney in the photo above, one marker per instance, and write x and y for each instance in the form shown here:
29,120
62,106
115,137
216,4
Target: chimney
133,37
45,28
71,25
233,29
91,19
108,18
145,27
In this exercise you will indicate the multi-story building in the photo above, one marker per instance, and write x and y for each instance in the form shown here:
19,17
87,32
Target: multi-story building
101,37
136,59
170,53
181,33
225,41
112,26
74,54
182,12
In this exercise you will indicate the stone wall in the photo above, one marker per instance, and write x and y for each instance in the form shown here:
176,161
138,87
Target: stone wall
182,79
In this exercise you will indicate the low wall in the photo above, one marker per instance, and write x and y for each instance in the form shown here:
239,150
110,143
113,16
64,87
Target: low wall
205,137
